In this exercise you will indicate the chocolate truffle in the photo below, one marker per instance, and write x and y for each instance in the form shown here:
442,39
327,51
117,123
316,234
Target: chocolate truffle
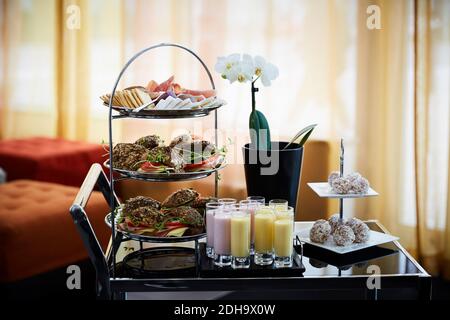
341,185
335,222
360,229
320,232
360,185
334,175
352,222
343,236
354,176
320,221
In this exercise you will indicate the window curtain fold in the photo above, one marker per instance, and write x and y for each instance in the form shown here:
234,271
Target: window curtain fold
431,134
72,68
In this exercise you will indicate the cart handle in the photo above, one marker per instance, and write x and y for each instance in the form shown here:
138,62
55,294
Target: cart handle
95,177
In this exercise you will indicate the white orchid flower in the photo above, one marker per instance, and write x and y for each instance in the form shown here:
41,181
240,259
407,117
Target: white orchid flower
245,69
226,65
265,70
235,69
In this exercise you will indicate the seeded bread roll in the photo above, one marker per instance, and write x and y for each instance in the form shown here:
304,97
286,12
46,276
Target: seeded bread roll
128,156
140,201
149,142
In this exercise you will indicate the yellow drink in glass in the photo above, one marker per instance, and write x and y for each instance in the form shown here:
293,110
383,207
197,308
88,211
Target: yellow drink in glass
264,220
283,237
240,226
240,236
278,204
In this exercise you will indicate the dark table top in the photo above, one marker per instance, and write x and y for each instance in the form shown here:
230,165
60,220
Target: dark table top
391,258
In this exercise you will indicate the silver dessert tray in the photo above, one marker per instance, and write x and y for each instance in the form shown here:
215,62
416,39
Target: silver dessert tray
169,176
165,114
323,190
144,238
375,239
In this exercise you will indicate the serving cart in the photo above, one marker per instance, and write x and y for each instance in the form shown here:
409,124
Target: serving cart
134,265
326,275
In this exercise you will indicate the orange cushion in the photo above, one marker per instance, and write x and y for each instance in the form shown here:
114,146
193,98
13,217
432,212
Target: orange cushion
37,233
51,160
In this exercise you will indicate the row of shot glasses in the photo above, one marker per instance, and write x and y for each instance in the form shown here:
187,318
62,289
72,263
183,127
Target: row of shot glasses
235,231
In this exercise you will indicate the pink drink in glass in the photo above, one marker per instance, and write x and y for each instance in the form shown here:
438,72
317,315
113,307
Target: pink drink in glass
222,229
210,228
211,209
222,239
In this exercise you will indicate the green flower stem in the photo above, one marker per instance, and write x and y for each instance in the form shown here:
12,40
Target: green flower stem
254,90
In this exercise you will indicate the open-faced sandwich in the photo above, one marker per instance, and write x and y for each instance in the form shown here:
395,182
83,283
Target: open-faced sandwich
185,153
181,214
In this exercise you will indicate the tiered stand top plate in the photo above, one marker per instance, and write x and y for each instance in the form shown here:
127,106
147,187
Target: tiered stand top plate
323,190
164,114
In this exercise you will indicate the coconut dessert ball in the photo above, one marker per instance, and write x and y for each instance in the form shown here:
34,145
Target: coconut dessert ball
341,185
320,232
352,177
360,229
352,222
320,221
343,236
360,185
335,222
334,175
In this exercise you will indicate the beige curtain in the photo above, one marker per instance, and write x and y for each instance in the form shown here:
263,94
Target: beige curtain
72,65
27,70
385,117
384,91
432,104
402,124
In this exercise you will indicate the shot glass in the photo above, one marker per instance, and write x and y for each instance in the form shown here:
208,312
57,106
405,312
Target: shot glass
278,204
258,199
227,201
211,209
283,237
264,221
222,241
240,239
251,206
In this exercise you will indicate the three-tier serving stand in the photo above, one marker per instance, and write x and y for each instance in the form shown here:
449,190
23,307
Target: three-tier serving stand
116,236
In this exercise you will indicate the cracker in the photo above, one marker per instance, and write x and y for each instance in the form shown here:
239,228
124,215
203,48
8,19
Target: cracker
130,97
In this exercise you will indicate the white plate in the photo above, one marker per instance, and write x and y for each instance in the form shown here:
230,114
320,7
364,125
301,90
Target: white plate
323,190
376,238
